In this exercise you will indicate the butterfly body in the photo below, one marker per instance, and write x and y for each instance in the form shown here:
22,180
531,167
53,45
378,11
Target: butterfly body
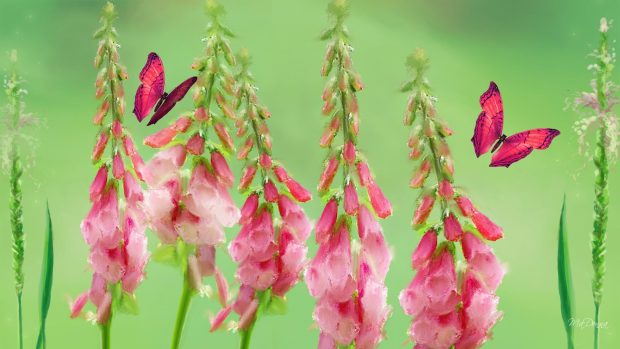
488,133
151,95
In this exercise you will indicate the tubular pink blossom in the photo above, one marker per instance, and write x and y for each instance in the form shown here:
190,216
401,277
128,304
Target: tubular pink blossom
486,227
294,218
118,168
219,318
265,161
247,177
249,208
445,189
270,191
348,153
351,202
424,210
326,222
363,173
465,206
161,139
220,166
164,165
132,190
300,193
482,262
222,287
102,142
418,179
281,174
328,174
425,249
99,183
452,229
379,202
195,144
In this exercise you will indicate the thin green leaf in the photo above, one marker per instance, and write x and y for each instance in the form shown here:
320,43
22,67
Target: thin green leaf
47,275
565,283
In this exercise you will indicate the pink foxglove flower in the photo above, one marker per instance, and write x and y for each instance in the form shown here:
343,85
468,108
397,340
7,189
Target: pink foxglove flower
270,249
114,227
348,284
446,313
188,203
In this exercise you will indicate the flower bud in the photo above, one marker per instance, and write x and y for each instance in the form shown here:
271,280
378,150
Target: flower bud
465,206
348,152
351,202
249,208
201,114
99,183
328,174
195,144
224,136
182,124
452,229
220,166
363,172
486,227
424,209
117,129
247,177
300,193
445,189
161,138
379,202
271,192
425,249
326,222
100,145
245,150
265,161
118,168
418,179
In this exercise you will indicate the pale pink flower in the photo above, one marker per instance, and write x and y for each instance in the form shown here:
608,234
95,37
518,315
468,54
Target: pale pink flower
100,227
164,165
436,331
290,261
330,273
294,218
375,251
482,262
338,320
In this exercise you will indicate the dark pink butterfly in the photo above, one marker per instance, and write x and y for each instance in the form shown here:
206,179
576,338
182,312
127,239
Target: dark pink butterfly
488,133
151,91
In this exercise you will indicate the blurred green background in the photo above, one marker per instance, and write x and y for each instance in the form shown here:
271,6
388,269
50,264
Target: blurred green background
537,51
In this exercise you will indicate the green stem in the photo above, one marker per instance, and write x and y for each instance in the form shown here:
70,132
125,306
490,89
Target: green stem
596,318
21,326
186,297
105,333
246,335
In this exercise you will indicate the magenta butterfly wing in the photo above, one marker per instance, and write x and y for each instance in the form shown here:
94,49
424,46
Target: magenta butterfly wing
171,100
151,88
490,122
520,145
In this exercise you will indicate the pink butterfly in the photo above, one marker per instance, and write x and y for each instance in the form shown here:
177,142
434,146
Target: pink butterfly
151,91
488,133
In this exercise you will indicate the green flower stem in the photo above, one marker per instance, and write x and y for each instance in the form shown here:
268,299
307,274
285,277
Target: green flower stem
105,333
21,328
184,301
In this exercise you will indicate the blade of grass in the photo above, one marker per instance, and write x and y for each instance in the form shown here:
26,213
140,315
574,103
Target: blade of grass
565,283
47,274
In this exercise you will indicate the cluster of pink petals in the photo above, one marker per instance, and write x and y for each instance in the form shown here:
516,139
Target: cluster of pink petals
351,293
447,312
268,254
114,231
195,210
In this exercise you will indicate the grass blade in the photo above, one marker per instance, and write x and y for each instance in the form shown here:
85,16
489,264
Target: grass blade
565,283
47,273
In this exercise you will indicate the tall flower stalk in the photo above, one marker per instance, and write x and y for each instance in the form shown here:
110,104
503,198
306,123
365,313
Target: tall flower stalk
271,247
347,275
447,313
600,101
188,203
15,120
114,227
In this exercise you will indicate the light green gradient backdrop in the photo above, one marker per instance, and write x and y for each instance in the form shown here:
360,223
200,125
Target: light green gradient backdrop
535,50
